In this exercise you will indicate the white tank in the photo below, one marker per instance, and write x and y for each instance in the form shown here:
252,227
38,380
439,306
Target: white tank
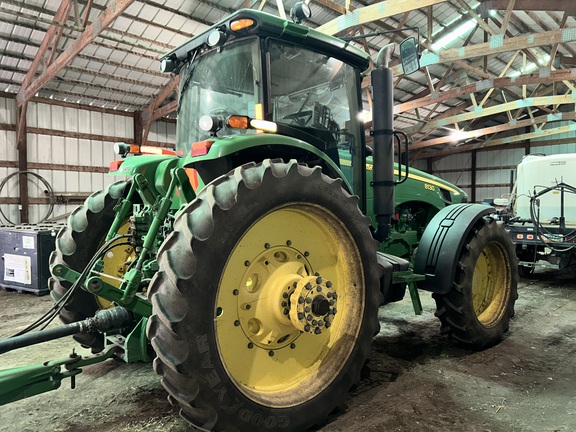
546,171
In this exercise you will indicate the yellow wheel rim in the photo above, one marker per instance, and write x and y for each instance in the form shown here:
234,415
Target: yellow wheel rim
290,305
115,264
491,285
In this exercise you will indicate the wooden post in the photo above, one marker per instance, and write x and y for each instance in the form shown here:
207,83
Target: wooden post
22,147
473,178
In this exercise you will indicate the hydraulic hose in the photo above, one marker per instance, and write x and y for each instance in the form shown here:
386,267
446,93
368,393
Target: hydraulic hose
104,320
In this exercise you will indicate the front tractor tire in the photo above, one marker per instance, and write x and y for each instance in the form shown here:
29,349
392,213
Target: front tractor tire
266,301
76,244
477,309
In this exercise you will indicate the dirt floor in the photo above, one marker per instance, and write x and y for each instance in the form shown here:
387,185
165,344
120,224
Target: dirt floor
418,380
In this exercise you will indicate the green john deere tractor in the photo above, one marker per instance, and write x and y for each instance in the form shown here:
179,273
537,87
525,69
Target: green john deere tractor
250,264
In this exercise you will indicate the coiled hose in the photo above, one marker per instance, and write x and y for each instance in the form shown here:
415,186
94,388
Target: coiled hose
46,184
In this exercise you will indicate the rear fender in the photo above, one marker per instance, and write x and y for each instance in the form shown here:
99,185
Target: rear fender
441,244
226,153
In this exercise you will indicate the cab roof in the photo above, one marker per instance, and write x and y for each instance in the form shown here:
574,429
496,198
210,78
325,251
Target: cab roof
267,25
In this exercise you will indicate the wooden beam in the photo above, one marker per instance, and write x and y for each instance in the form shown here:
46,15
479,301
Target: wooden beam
529,5
554,49
60,16
514,124
164,110
86,38
473,177
507,16
544,76
497,44
477,17
23,183
148,113
372,13
137,127
21,100
517,138
459,170
497,109
526,145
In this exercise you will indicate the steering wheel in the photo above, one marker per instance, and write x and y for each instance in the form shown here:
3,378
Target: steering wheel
301,118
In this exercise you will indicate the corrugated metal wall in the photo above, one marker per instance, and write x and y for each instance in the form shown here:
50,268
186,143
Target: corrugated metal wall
81,163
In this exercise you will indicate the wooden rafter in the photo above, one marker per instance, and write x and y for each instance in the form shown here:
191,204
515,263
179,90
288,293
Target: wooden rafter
537,122
150,113
496,109
373,13
92,31
497,45
529,5
547,133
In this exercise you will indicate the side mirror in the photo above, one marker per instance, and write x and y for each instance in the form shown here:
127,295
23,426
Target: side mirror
409,56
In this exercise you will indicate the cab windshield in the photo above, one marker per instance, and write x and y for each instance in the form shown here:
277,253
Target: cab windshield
221,82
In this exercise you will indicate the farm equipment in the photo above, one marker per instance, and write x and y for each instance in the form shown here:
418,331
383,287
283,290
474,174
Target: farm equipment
251,262
541,219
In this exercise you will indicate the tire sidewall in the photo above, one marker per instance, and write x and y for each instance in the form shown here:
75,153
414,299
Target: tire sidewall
202,291
488,233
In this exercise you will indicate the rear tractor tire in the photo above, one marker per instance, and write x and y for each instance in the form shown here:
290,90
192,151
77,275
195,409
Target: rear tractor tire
266,301
477,310
76,244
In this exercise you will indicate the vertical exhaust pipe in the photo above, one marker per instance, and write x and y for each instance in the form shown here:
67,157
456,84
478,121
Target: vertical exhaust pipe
383,141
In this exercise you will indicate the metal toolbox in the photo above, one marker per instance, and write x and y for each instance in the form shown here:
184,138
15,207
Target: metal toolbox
24,256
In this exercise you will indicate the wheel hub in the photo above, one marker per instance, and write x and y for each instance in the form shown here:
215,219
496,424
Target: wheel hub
313,304
279,300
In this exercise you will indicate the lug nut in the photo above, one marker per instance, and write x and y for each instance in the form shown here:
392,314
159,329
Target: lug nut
319,279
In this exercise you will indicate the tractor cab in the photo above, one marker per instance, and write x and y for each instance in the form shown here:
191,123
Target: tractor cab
255,73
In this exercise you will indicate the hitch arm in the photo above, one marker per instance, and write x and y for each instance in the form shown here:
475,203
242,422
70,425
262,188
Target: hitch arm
22,382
